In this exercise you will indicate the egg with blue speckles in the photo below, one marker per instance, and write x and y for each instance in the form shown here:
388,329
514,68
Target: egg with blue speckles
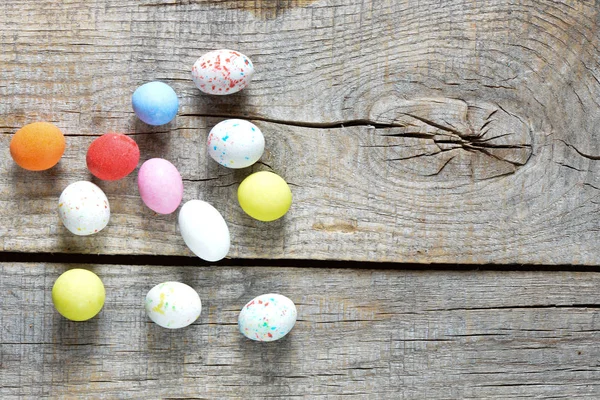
173,305
222,72
267,317
235,143
155,103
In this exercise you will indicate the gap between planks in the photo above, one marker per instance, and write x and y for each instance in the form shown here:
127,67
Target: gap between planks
158,260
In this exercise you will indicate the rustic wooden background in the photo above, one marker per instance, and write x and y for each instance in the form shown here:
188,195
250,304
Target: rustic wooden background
438,133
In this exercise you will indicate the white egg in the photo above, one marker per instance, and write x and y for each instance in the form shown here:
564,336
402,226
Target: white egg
173,305
204,230
222,72
83,208
267,317
235,143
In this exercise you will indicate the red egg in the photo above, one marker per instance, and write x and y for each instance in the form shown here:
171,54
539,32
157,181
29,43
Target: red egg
112,156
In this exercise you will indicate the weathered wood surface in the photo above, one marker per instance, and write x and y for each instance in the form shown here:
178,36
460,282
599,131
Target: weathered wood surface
376,334
412,131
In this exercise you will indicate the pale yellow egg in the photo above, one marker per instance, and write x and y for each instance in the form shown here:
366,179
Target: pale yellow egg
78,294
265,196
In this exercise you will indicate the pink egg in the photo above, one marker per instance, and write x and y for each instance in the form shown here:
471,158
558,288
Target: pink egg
160,185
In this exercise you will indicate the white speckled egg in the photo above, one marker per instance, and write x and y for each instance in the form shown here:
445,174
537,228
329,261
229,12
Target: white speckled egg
204,230
173,305
222,72
235,143
267,317
83,208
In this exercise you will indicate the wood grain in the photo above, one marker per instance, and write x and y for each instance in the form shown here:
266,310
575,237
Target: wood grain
378,334
430,132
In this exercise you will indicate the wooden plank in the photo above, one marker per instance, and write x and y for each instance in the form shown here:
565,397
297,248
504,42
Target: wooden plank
412,131
342,209
380,334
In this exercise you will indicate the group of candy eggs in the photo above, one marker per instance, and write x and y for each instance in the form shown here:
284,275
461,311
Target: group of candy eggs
83,207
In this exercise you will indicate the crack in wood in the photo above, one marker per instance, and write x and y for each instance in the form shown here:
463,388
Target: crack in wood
520,307
9,130
200,179
572,167
317,125
582,154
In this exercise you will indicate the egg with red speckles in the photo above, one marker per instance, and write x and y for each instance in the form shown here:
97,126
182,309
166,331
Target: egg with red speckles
83,208
222,72
173,305
235,143
267,317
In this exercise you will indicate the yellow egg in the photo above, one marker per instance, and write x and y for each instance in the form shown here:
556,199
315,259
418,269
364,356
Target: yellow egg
78,294
265,196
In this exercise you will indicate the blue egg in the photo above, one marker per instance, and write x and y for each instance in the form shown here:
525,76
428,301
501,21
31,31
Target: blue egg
155,103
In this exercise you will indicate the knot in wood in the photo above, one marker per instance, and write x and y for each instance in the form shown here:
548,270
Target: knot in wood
440,136
265,9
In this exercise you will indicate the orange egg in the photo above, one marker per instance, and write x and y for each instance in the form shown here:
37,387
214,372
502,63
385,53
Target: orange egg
37,146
